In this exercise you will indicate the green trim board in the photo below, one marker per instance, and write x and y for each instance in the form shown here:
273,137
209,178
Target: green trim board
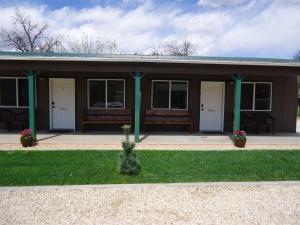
137,107
237,101
31,95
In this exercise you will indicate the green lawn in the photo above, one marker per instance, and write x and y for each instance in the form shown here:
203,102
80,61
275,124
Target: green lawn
100,167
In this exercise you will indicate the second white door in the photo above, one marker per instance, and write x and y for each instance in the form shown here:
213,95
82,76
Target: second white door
212,106
62,104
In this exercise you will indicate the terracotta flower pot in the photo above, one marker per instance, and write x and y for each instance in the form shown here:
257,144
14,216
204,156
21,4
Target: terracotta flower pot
240,143
24,142
31,141
27,141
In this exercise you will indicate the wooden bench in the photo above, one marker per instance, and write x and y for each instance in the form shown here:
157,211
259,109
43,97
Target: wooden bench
168,117
257,121
105,116
14,119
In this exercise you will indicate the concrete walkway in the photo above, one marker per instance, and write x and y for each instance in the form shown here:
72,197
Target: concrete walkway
151,138
168,141
198,203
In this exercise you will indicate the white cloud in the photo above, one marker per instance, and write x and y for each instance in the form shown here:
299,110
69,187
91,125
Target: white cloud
221,3
254,28
273,32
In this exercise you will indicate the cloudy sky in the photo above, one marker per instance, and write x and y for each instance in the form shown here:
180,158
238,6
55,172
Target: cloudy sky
251,28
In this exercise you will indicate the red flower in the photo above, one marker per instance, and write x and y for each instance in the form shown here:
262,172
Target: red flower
26,132
240,133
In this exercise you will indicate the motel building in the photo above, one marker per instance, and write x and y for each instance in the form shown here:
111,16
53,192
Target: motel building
77,92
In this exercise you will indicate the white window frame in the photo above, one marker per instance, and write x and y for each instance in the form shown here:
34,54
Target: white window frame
253,100
17,93
88,93
170,89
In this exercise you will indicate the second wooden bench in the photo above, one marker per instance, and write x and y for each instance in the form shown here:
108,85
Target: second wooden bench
168,117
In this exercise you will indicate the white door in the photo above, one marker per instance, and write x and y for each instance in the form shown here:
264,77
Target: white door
62,104
212,106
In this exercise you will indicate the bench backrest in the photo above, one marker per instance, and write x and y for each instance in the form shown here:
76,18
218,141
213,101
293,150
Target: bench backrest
166,113
112,112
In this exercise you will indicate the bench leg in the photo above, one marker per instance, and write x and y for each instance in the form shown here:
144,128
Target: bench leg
82,128
131,128
191,128
273,129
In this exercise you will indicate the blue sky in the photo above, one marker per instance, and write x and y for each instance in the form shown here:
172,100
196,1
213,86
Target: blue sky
56,4
251,28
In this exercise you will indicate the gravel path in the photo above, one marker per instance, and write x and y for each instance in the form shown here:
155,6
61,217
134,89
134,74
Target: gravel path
225,203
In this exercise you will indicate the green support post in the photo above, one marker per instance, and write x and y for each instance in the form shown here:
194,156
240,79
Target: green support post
31,95
237,101
137,107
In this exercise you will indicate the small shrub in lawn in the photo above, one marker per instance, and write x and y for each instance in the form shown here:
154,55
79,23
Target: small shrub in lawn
128,161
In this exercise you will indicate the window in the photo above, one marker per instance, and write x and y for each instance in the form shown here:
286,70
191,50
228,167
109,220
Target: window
23,92
115,94
106,93
247,96
13,92
97,94
256,96
178,95
161,94
170,94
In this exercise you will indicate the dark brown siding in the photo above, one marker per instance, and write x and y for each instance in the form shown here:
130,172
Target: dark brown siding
194,96
284,101
284,97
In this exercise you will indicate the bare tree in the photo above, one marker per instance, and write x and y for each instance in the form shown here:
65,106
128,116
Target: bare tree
90,45
174,48
28,36
181,48
297,55
155,52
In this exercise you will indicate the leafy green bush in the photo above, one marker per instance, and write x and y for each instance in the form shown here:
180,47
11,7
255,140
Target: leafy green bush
128,161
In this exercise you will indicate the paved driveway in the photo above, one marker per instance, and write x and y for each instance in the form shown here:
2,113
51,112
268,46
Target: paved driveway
212,203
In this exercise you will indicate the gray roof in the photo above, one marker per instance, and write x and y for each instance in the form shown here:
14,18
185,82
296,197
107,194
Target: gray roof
34,56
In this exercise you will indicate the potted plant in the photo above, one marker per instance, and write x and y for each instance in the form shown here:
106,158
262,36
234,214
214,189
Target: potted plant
239,138
26,139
